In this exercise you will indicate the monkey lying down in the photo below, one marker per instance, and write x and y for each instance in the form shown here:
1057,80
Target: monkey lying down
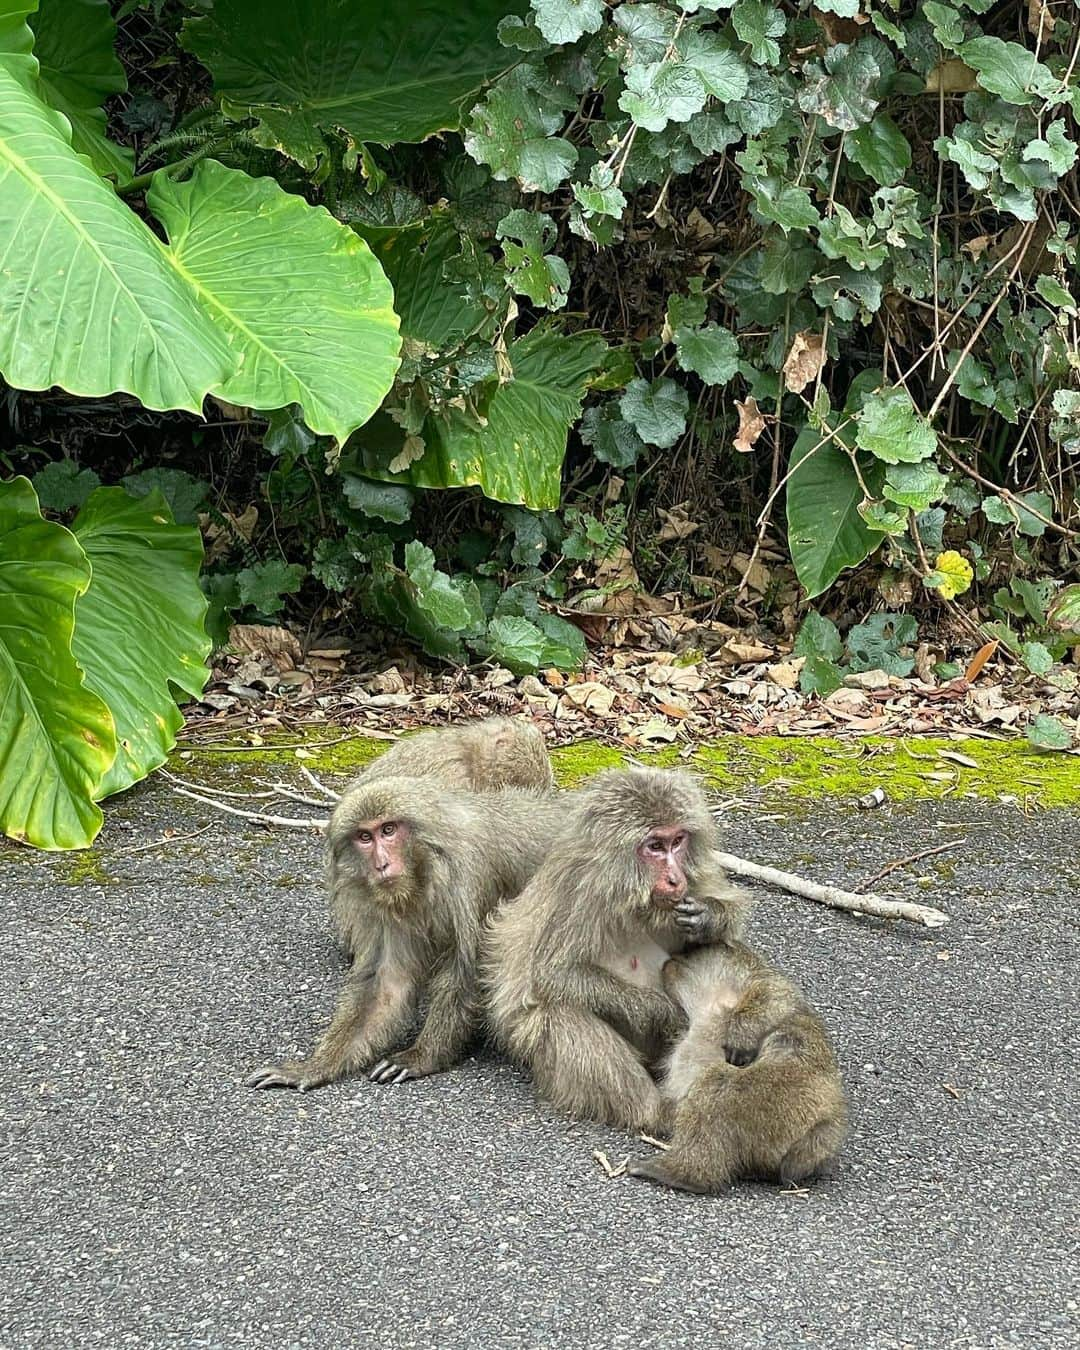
754,1082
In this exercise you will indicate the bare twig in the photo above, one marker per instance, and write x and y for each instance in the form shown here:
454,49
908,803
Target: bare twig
159,843
656,1143
288,822
318,786
912,857
283,790
833,896
605,1163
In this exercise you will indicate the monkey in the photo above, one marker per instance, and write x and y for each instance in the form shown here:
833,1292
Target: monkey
481,756
571,967
754,1081
414,869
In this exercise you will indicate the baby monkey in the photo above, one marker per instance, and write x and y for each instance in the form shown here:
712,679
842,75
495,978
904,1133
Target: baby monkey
754,1081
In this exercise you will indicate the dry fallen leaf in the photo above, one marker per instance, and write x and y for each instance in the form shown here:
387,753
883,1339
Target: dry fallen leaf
677,523
980,659
278,645
593,697
804,361
1040,21
950,77
751,425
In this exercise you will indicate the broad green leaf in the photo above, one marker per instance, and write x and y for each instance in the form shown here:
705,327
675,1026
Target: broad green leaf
601,196
516,643
139,628
761,106
391,502
447,605
431,302
1036,656
916,486
265,585
663,92
843,9
512,133
842,236
56,735
531,270
880,149
963,149
565,645
876,644
785,204
515,32
186,495
1054,293
610,437
563,21
649,30
1054,148
819,675
62,485
657,411
819,636
825,531
1048,733
74,43
517,455
721,71
100,310
305,67
711,352
1029,523
298,296
758,24
892,430
1008,70
843,90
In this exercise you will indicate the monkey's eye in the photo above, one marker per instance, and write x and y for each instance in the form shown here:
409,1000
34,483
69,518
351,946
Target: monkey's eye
363,836
655,845
389,829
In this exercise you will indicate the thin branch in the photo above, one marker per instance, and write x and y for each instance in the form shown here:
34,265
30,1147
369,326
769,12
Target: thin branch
288,822
912,857
833,896
159,843
319,786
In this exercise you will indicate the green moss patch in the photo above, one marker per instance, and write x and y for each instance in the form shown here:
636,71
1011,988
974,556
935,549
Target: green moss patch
802,767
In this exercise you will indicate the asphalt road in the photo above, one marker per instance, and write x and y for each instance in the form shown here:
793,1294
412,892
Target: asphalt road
148,1199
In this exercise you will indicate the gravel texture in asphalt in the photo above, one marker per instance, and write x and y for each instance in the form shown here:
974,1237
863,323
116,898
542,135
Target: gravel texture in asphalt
149,1199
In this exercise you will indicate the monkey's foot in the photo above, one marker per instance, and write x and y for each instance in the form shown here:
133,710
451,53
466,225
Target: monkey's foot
401,1067
656,1170
294,1073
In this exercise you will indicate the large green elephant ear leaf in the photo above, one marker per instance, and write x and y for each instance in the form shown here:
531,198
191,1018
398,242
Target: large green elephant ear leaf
370,69
516,455
89,299
139,627
74,42
56,735
299,296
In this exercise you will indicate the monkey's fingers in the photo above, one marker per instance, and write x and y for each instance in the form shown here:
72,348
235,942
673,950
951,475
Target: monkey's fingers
386,1071
274,1076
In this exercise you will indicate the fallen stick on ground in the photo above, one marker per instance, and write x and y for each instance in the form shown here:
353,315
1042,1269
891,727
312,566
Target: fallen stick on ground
833,896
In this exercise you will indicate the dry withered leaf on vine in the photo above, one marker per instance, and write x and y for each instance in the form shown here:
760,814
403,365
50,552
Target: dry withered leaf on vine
805,359
677,523
1040,21
751,425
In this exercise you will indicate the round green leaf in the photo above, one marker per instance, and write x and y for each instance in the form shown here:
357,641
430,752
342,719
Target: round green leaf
656,411
56,735
891,429
139,627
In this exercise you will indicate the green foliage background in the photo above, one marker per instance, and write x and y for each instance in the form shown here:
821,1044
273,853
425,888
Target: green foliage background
469,293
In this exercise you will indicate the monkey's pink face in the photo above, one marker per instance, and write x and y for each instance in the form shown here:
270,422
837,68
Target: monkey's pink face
663,854
381,843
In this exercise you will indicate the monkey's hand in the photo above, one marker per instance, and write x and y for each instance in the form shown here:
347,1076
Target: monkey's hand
699,924
302,1074
742,1041
401,1067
